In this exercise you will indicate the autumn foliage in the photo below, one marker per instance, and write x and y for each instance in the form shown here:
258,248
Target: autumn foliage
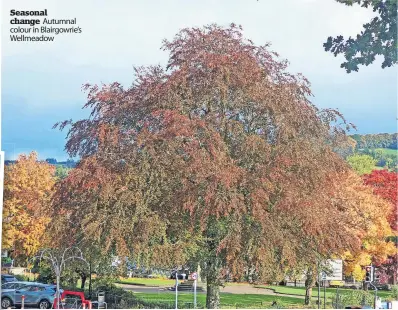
385,184
28,188
219,158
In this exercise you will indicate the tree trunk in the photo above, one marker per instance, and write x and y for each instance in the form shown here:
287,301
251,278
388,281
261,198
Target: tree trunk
212,267
213,283
89,285
84,278
395,267
309,284
308,295
58,292
213,296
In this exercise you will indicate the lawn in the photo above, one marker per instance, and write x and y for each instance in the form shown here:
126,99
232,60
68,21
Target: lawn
227,300
329,291
160,282
388,151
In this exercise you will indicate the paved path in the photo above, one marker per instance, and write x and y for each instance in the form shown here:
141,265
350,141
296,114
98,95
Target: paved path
142,289
250,289
231,289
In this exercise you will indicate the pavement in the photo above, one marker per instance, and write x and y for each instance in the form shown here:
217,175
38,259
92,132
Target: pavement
143,289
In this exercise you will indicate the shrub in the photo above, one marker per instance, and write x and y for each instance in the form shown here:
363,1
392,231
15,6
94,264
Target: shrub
352,298
22,277
394,292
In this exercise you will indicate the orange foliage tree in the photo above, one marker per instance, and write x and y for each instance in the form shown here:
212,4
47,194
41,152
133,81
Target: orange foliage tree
374,212
28,188
385,184
220,158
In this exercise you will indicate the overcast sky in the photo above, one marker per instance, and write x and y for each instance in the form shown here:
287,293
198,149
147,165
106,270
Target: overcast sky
41,82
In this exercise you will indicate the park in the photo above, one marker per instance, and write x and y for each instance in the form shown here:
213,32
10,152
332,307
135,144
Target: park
211,181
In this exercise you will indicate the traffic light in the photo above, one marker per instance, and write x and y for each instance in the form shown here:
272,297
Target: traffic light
376,275
368,274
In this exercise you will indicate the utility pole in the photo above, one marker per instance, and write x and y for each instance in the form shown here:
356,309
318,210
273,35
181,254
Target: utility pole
194,294
194,277
319,289
176,288
324,294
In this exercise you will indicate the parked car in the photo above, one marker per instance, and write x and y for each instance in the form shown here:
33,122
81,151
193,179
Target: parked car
7,278
14,285
181,276
36,294
383,287
353,286
336,283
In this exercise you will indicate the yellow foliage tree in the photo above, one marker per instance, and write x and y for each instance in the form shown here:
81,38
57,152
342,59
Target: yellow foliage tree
28,188
372,215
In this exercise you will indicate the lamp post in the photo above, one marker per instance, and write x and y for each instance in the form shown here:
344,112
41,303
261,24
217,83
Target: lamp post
176,288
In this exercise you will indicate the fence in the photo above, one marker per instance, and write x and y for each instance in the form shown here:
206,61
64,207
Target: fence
116,301
352,298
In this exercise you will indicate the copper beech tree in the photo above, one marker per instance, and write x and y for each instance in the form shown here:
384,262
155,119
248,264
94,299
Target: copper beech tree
219,158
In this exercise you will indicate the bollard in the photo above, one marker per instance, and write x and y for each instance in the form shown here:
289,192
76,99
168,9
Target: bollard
23,302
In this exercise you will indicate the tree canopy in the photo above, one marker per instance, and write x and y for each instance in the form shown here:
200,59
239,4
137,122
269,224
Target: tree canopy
219,158
385,184
379,37
28,188
361,164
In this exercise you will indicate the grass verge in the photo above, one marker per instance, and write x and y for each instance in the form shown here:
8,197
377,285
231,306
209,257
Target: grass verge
288,290
227,300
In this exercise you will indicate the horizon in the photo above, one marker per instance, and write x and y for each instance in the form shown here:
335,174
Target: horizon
65,159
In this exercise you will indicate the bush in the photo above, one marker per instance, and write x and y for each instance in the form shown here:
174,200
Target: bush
21,277
394,292
352,298
6,260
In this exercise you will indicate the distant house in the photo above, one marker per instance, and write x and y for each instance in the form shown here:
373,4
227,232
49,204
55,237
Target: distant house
51,161
4,253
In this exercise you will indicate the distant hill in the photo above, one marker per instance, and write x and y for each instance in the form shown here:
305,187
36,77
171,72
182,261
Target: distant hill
376,141
70,163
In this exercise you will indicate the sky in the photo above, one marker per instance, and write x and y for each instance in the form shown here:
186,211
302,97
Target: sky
41,82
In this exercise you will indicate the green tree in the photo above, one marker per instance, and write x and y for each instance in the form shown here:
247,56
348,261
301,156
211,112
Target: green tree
61,172
379,37
362,164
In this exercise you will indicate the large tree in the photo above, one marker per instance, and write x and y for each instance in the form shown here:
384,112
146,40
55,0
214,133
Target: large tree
385,184
220,158
361,164
28,188
379,37
375,245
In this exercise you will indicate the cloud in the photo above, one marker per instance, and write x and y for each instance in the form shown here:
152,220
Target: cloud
46,79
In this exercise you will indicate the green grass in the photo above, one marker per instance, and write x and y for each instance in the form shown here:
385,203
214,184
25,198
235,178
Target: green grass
160,282
329,291
147,281
388,151
227,300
